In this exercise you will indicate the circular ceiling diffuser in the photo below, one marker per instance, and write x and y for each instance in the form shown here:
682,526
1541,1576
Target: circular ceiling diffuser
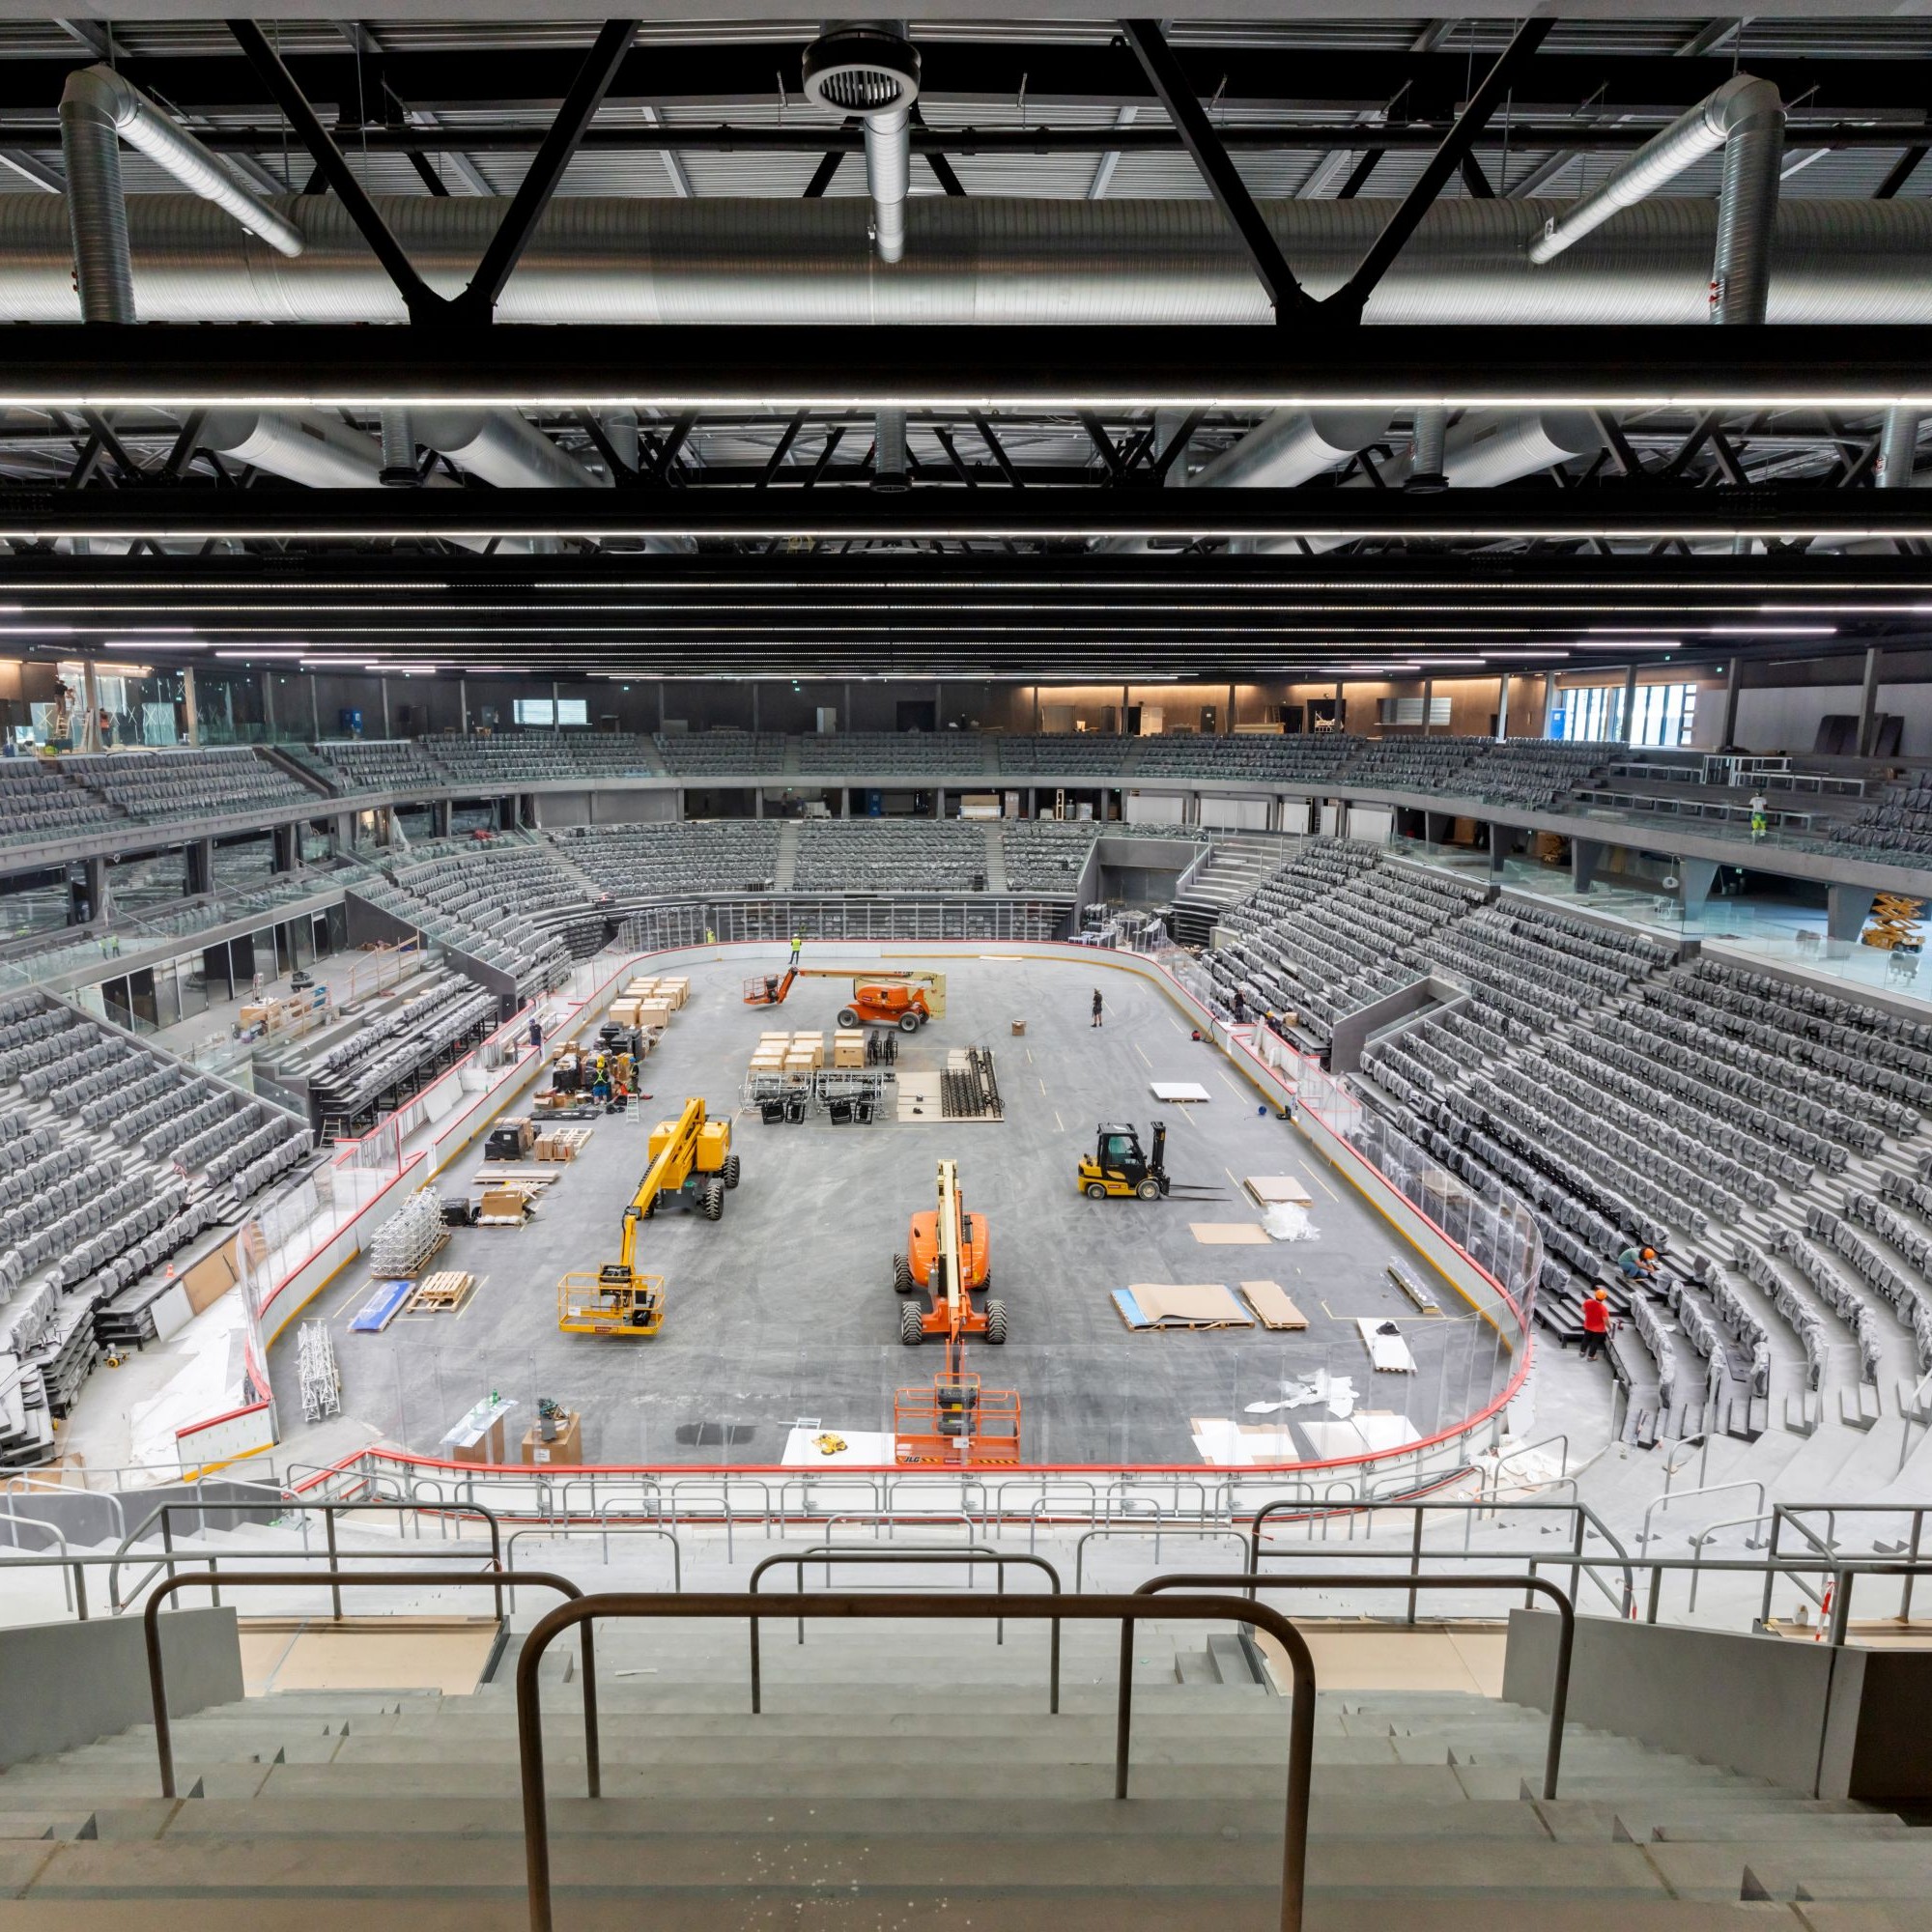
862,70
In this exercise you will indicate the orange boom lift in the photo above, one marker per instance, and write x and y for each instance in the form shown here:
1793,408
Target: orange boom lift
953,1421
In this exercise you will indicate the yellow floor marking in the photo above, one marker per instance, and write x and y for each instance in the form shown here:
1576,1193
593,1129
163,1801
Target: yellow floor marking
1058,1122
360,1292
1137,1049
1043,1085
1319,1182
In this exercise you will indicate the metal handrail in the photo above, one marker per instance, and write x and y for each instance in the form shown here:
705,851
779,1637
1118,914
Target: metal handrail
68,1573
984,1606
1560,1696
21,1483
283,1505
1699,1540
1156,1531
830,1553
1495,1475
1685,1495
1581,1513
543,1533
393,1579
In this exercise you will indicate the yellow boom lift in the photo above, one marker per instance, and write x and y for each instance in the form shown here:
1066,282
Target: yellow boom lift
691,1165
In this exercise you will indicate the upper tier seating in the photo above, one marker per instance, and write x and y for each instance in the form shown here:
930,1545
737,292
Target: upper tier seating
504,760
187,784
1047,855
37,802
1264,758
1066,755
382,764
890,855
896,753
711,753
644,861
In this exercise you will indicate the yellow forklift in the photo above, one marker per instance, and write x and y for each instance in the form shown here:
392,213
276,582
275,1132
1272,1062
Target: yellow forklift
691,1166
1119,1170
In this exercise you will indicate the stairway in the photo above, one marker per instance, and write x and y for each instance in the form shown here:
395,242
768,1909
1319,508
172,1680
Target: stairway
785,868
996,858
1235,868
888,1788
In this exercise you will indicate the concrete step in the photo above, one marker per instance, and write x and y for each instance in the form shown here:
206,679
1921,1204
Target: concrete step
1859,1869
918,1910
974,1871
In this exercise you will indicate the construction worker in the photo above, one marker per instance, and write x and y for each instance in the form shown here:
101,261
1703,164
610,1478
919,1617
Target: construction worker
1638,1263
1596,1323
536,1034
1096,1007
1760,821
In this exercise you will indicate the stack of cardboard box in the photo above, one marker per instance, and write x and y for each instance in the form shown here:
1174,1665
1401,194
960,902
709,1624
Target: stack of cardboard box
770,1056
806,1054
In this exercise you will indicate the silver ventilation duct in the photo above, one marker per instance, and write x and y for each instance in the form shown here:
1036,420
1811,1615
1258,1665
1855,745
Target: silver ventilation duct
97,111
872,72
300,445
503,448
1290,446
1897,449
1742,104
1282,450
1425,449
1485,449
889,450
978,262
399,450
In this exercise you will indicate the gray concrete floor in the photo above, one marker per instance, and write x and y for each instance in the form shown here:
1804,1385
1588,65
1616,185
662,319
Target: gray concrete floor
784,1309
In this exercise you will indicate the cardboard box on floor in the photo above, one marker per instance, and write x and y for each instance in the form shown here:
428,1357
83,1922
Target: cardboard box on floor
568,1447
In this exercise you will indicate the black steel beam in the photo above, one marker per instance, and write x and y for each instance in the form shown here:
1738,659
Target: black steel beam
1631,515
1353,294
478,301
719,76
423,302
802,137
772,371
1286,297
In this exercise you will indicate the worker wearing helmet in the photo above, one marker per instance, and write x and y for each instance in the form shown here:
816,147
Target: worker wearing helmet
1638,1263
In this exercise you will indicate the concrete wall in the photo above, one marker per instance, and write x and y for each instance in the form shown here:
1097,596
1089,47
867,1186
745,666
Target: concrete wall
1834,1723
66,1685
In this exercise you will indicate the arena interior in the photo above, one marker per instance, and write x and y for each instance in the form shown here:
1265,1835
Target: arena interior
961,820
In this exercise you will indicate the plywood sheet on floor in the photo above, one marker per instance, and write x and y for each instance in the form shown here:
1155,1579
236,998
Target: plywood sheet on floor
399,1654
1195,1304
1270,1302
1272,1190
1467,1661
1229,1234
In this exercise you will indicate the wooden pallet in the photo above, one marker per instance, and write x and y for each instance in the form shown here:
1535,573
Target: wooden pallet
562,1144
443,1293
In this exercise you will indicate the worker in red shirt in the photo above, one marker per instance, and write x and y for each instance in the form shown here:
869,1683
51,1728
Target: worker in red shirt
1596,1323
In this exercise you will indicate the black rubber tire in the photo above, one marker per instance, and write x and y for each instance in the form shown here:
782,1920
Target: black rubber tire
1096,1191
1149,1190
912,1331
996,1324
711,1203
730,1170
847,1017
908,1022
988,1282
902,1281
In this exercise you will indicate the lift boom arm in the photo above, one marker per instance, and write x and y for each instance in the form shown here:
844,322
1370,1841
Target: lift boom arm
665,1173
